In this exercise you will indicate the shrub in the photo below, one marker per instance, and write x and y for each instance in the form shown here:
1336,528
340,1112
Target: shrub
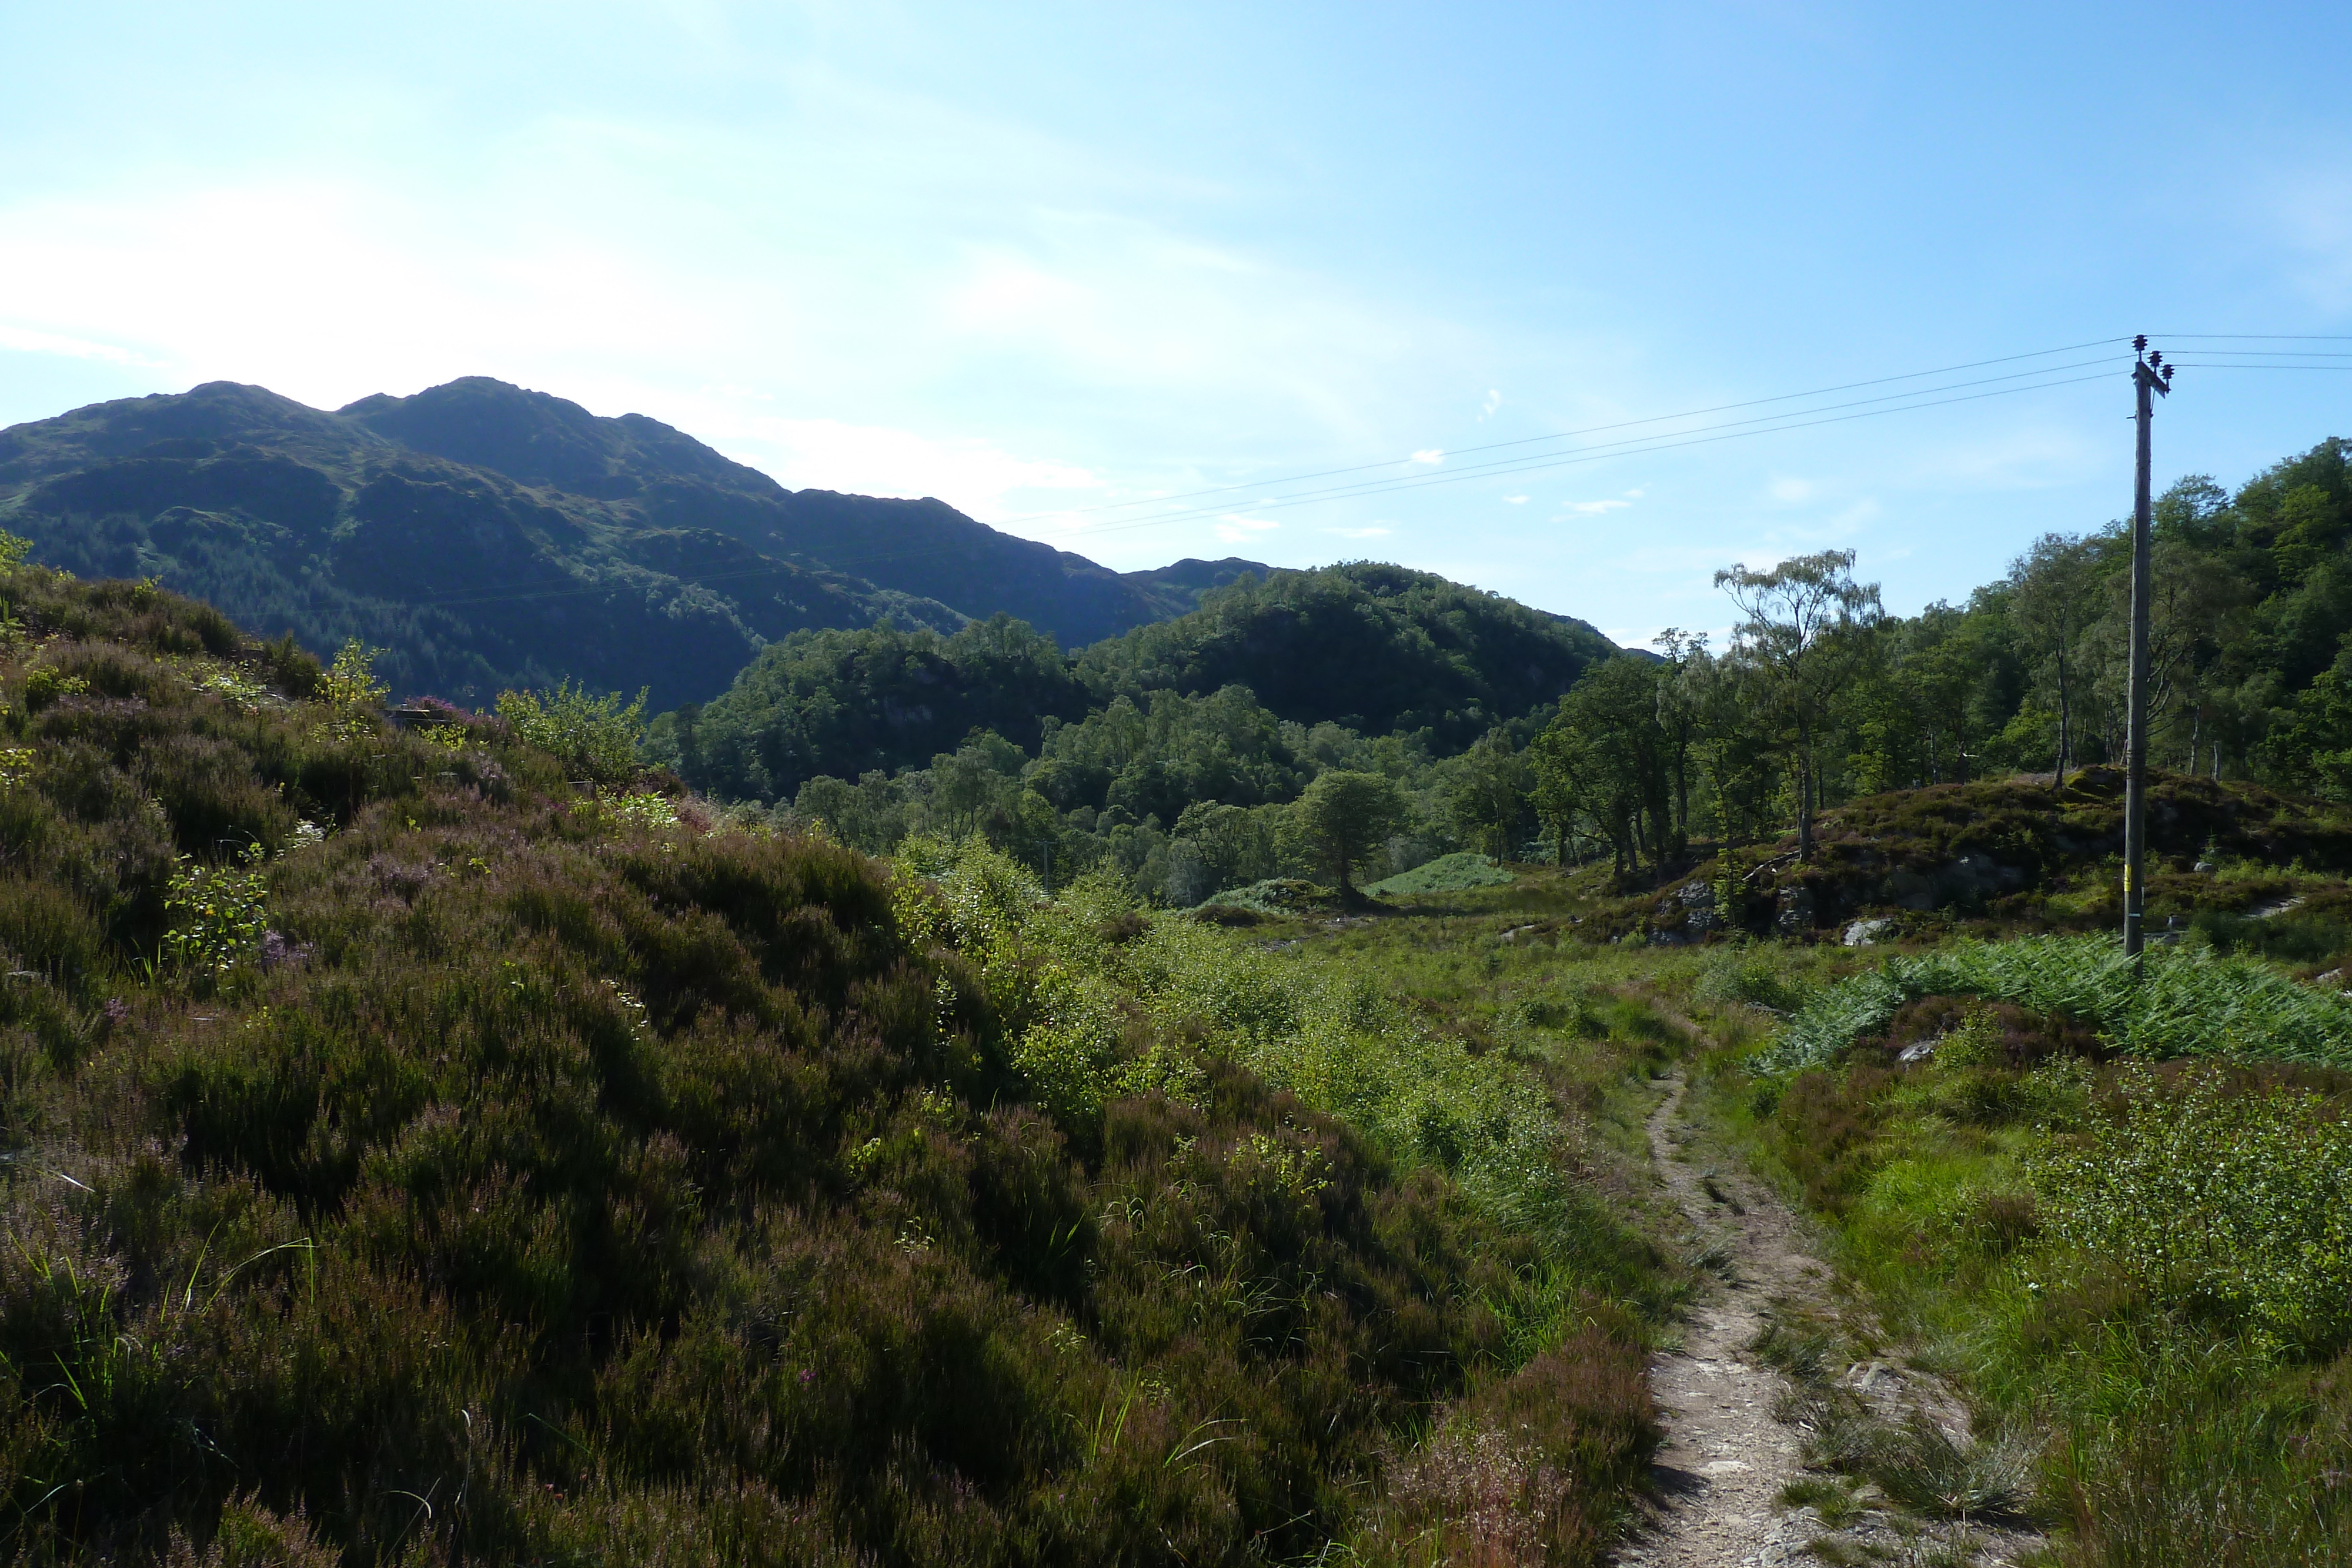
218,914
2235,1205
596,735
354,698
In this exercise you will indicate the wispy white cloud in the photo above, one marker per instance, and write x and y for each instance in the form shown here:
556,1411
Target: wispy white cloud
1234,528
20,340
1486,409
1377,531
1514,500
976,477
1429,455
1593,508
1787,487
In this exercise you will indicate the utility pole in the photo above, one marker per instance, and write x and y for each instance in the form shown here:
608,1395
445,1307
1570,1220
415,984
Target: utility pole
2150,375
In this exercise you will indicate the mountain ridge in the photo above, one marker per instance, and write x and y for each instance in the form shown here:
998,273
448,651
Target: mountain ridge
486,535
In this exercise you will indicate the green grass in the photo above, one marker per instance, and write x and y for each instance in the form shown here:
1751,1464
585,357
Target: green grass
1447,874
2135,1271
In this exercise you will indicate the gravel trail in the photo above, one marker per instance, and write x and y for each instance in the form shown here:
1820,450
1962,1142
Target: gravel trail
1725,1459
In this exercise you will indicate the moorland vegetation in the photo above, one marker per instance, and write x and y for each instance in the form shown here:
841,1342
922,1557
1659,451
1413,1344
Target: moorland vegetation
445,1142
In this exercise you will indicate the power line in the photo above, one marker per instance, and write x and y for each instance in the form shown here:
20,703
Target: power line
2255,365
1662,443
1665,441
2280,353
1568,435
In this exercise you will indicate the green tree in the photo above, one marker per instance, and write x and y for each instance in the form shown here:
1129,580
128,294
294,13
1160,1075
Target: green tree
1231,845
1488,796
1806,627
2312,740
1682,713
1343,819
1604,756
2054,597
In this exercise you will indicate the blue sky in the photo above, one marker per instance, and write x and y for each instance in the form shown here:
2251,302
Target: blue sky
1048,262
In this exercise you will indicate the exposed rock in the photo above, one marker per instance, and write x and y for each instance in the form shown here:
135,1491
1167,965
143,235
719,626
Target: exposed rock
1796,909
1869,933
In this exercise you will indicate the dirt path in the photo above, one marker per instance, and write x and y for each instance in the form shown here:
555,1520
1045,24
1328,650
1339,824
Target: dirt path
1725,1459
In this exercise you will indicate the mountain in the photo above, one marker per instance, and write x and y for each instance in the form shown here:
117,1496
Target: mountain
926,548
485,536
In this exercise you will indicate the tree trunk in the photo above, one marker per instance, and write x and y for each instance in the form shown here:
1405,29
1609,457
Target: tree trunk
1804,805
2066,720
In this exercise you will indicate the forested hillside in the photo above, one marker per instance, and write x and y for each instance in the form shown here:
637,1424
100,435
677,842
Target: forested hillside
1822,697
1175,751
487,536
1130,752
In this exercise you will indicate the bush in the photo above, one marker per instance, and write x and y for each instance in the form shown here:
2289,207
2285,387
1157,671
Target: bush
2232,1205
597,736
218,914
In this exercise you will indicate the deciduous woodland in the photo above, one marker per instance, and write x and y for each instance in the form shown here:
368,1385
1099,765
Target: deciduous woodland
1172,754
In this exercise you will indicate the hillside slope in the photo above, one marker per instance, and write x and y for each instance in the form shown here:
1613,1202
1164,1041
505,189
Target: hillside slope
486,535
1375,647
475,1171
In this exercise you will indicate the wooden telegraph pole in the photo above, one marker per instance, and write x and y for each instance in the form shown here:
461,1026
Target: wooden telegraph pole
2150,375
